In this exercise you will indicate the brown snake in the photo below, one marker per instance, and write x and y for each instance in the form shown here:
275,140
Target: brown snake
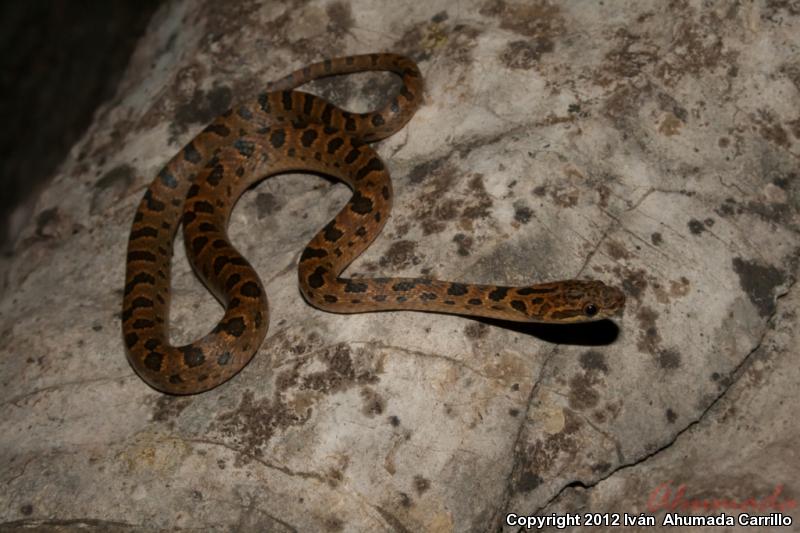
280,131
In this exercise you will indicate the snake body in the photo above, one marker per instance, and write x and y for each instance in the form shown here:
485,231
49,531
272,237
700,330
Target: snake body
284,130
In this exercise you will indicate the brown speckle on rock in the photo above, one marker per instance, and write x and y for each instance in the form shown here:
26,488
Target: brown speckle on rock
523,55
374,404
266,204
759,282
582,395
669,359
476,330
522,213
671,416
464,243
421,485
340,18
169,407
696,227
649,337
401,254
593,360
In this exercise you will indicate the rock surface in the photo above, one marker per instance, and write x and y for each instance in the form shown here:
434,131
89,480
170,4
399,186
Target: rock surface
654,146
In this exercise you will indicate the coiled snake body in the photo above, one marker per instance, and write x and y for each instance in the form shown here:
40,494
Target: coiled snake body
280,131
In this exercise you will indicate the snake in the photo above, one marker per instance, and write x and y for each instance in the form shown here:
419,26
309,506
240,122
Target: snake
284,130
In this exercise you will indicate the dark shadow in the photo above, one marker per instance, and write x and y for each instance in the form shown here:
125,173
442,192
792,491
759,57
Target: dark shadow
598,333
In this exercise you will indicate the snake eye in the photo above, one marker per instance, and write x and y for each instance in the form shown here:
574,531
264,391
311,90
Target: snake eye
590,310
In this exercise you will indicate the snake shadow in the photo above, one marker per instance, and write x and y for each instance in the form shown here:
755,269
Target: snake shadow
598,333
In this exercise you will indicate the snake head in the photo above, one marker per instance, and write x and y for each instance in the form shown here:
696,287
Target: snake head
572,301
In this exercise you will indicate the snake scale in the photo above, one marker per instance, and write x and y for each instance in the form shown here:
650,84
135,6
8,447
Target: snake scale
284,130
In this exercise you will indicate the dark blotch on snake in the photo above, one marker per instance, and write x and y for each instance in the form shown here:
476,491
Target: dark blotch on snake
166,176
403,286
519,305
308,103
331,299
141,255
145,231
234,326
457,289
192,356
215,176
427,296
152,203
141,277
263,101
219,263
377,120
498,294
373,165
131,339
244,147
352,155
191,154
219,129
334,144
250,289
203,207
224,358
198,244
153,361
475,301
311,253
354,286
317,278
332,234
286,100
308,137
232,280
539,290
141,302
326,113
360,204
277,138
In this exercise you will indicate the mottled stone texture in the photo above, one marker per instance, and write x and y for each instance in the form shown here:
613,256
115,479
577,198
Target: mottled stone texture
652,145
